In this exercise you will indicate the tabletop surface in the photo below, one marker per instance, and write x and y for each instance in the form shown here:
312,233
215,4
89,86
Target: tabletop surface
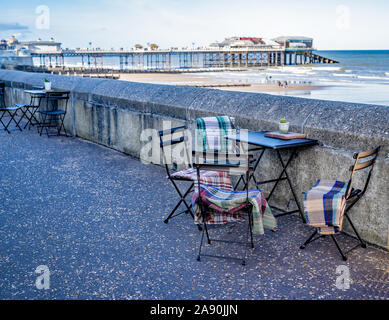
44,92
258,138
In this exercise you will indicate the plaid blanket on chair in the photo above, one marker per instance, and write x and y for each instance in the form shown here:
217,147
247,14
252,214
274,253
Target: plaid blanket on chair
212,131
224,206
217,179
324,205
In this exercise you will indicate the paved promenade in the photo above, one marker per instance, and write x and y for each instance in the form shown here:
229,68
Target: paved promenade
94,217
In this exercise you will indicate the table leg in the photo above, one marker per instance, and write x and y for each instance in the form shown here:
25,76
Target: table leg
282,172
290,182
32,114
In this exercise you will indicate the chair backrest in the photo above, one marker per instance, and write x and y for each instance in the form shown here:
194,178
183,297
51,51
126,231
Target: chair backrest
212,132
358,165
58,96
2,94
175,139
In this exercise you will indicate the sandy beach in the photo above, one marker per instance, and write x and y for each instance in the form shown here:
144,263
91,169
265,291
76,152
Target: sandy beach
221,83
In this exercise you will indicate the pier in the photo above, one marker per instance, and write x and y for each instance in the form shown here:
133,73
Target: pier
178,60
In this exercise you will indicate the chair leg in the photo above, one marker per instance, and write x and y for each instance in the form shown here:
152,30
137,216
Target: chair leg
363,243
21,118
251,222
173,211
62,118
5,126
34,117
206,232
28,117
43,124
339,249
52,123
308,240
201,243
249,237
182,200
39,126
12,118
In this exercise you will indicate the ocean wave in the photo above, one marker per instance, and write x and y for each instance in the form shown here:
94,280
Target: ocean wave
373,77
344,75
328,68
292,70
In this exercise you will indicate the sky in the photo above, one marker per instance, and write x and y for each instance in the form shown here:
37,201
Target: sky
334,25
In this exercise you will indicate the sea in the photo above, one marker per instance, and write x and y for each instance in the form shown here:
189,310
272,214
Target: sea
361,76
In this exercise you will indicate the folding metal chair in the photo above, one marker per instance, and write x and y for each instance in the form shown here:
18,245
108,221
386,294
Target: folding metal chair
179,138
10,111
352,197
50,118
234,164
173,137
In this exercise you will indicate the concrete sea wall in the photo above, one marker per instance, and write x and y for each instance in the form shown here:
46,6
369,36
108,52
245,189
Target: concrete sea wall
115,113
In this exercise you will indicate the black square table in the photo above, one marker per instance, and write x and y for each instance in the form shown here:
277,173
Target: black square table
48,95
258,142
36,97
